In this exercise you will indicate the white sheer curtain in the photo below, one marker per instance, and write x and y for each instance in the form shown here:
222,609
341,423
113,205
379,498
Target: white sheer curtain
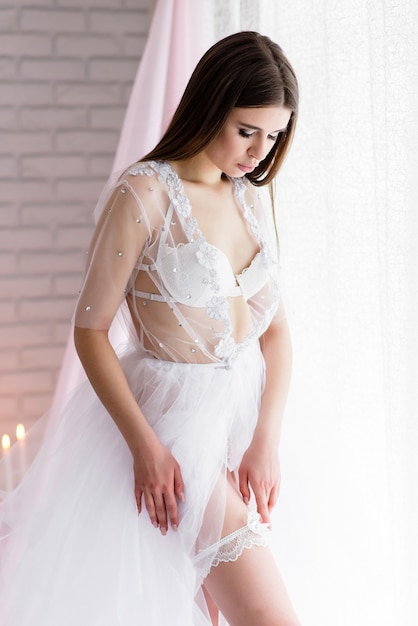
347,517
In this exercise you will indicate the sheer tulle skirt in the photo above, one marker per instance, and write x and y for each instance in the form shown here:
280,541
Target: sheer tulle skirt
73,548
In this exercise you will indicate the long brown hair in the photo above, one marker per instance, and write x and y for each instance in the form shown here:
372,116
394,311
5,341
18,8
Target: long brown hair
242,70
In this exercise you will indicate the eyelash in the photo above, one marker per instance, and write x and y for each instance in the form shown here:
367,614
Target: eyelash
247,135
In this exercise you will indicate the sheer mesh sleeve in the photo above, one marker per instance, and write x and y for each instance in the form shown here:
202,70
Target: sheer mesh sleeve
120,235
260,201
272,229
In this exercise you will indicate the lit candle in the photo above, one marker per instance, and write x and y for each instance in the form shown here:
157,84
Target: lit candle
5,444
21,436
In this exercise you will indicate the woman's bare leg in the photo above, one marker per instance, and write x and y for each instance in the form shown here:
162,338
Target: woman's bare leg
212,608
250,590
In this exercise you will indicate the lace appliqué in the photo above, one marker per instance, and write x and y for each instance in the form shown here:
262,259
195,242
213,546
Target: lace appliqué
167,176
230,548
141,169
206,255
217,308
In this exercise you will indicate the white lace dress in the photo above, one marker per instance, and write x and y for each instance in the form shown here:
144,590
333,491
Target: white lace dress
73,549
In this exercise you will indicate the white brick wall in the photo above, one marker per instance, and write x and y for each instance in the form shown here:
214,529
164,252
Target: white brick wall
66,68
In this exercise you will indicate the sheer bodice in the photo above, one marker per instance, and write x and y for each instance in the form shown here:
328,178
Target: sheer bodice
185,302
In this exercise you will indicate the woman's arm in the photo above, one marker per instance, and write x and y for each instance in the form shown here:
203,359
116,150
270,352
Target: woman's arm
118,242
157,473
260,465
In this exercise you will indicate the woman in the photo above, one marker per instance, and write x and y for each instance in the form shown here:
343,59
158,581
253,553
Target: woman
185,248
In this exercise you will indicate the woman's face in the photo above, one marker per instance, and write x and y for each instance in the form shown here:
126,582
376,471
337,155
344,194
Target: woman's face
246,138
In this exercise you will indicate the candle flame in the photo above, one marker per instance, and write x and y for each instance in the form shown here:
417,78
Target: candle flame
20,432
5,442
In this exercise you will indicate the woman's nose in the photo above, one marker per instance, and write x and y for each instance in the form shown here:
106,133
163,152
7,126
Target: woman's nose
258,150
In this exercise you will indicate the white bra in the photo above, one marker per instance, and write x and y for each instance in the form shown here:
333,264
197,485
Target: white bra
193,272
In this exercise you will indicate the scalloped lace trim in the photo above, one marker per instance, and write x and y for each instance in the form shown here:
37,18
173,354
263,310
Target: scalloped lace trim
230,547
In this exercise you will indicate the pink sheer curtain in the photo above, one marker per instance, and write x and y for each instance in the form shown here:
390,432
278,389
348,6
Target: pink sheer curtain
175,43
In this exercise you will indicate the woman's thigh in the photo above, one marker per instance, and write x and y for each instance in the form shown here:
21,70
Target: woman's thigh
250,590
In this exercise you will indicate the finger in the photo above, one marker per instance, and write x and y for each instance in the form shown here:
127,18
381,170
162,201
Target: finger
272,501
161,512
150,506
262,508
172,510
243,486
179,485
138,498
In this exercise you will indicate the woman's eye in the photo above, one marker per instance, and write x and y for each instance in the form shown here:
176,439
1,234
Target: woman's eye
247,135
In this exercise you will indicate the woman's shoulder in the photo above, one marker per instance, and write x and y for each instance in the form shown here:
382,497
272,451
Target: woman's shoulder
134,191
156,176
161,171
141,173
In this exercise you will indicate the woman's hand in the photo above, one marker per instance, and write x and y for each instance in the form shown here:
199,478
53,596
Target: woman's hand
260,469
158,478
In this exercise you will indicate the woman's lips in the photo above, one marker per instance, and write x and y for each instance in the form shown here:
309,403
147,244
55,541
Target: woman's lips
246,168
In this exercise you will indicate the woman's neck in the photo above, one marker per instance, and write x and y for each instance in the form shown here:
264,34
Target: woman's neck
200,170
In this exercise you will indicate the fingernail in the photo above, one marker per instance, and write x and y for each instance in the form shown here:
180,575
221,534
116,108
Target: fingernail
164,531
246,500
182,497
174,526
155,524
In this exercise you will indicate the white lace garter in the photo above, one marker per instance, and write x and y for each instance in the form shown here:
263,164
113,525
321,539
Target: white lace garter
230,547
